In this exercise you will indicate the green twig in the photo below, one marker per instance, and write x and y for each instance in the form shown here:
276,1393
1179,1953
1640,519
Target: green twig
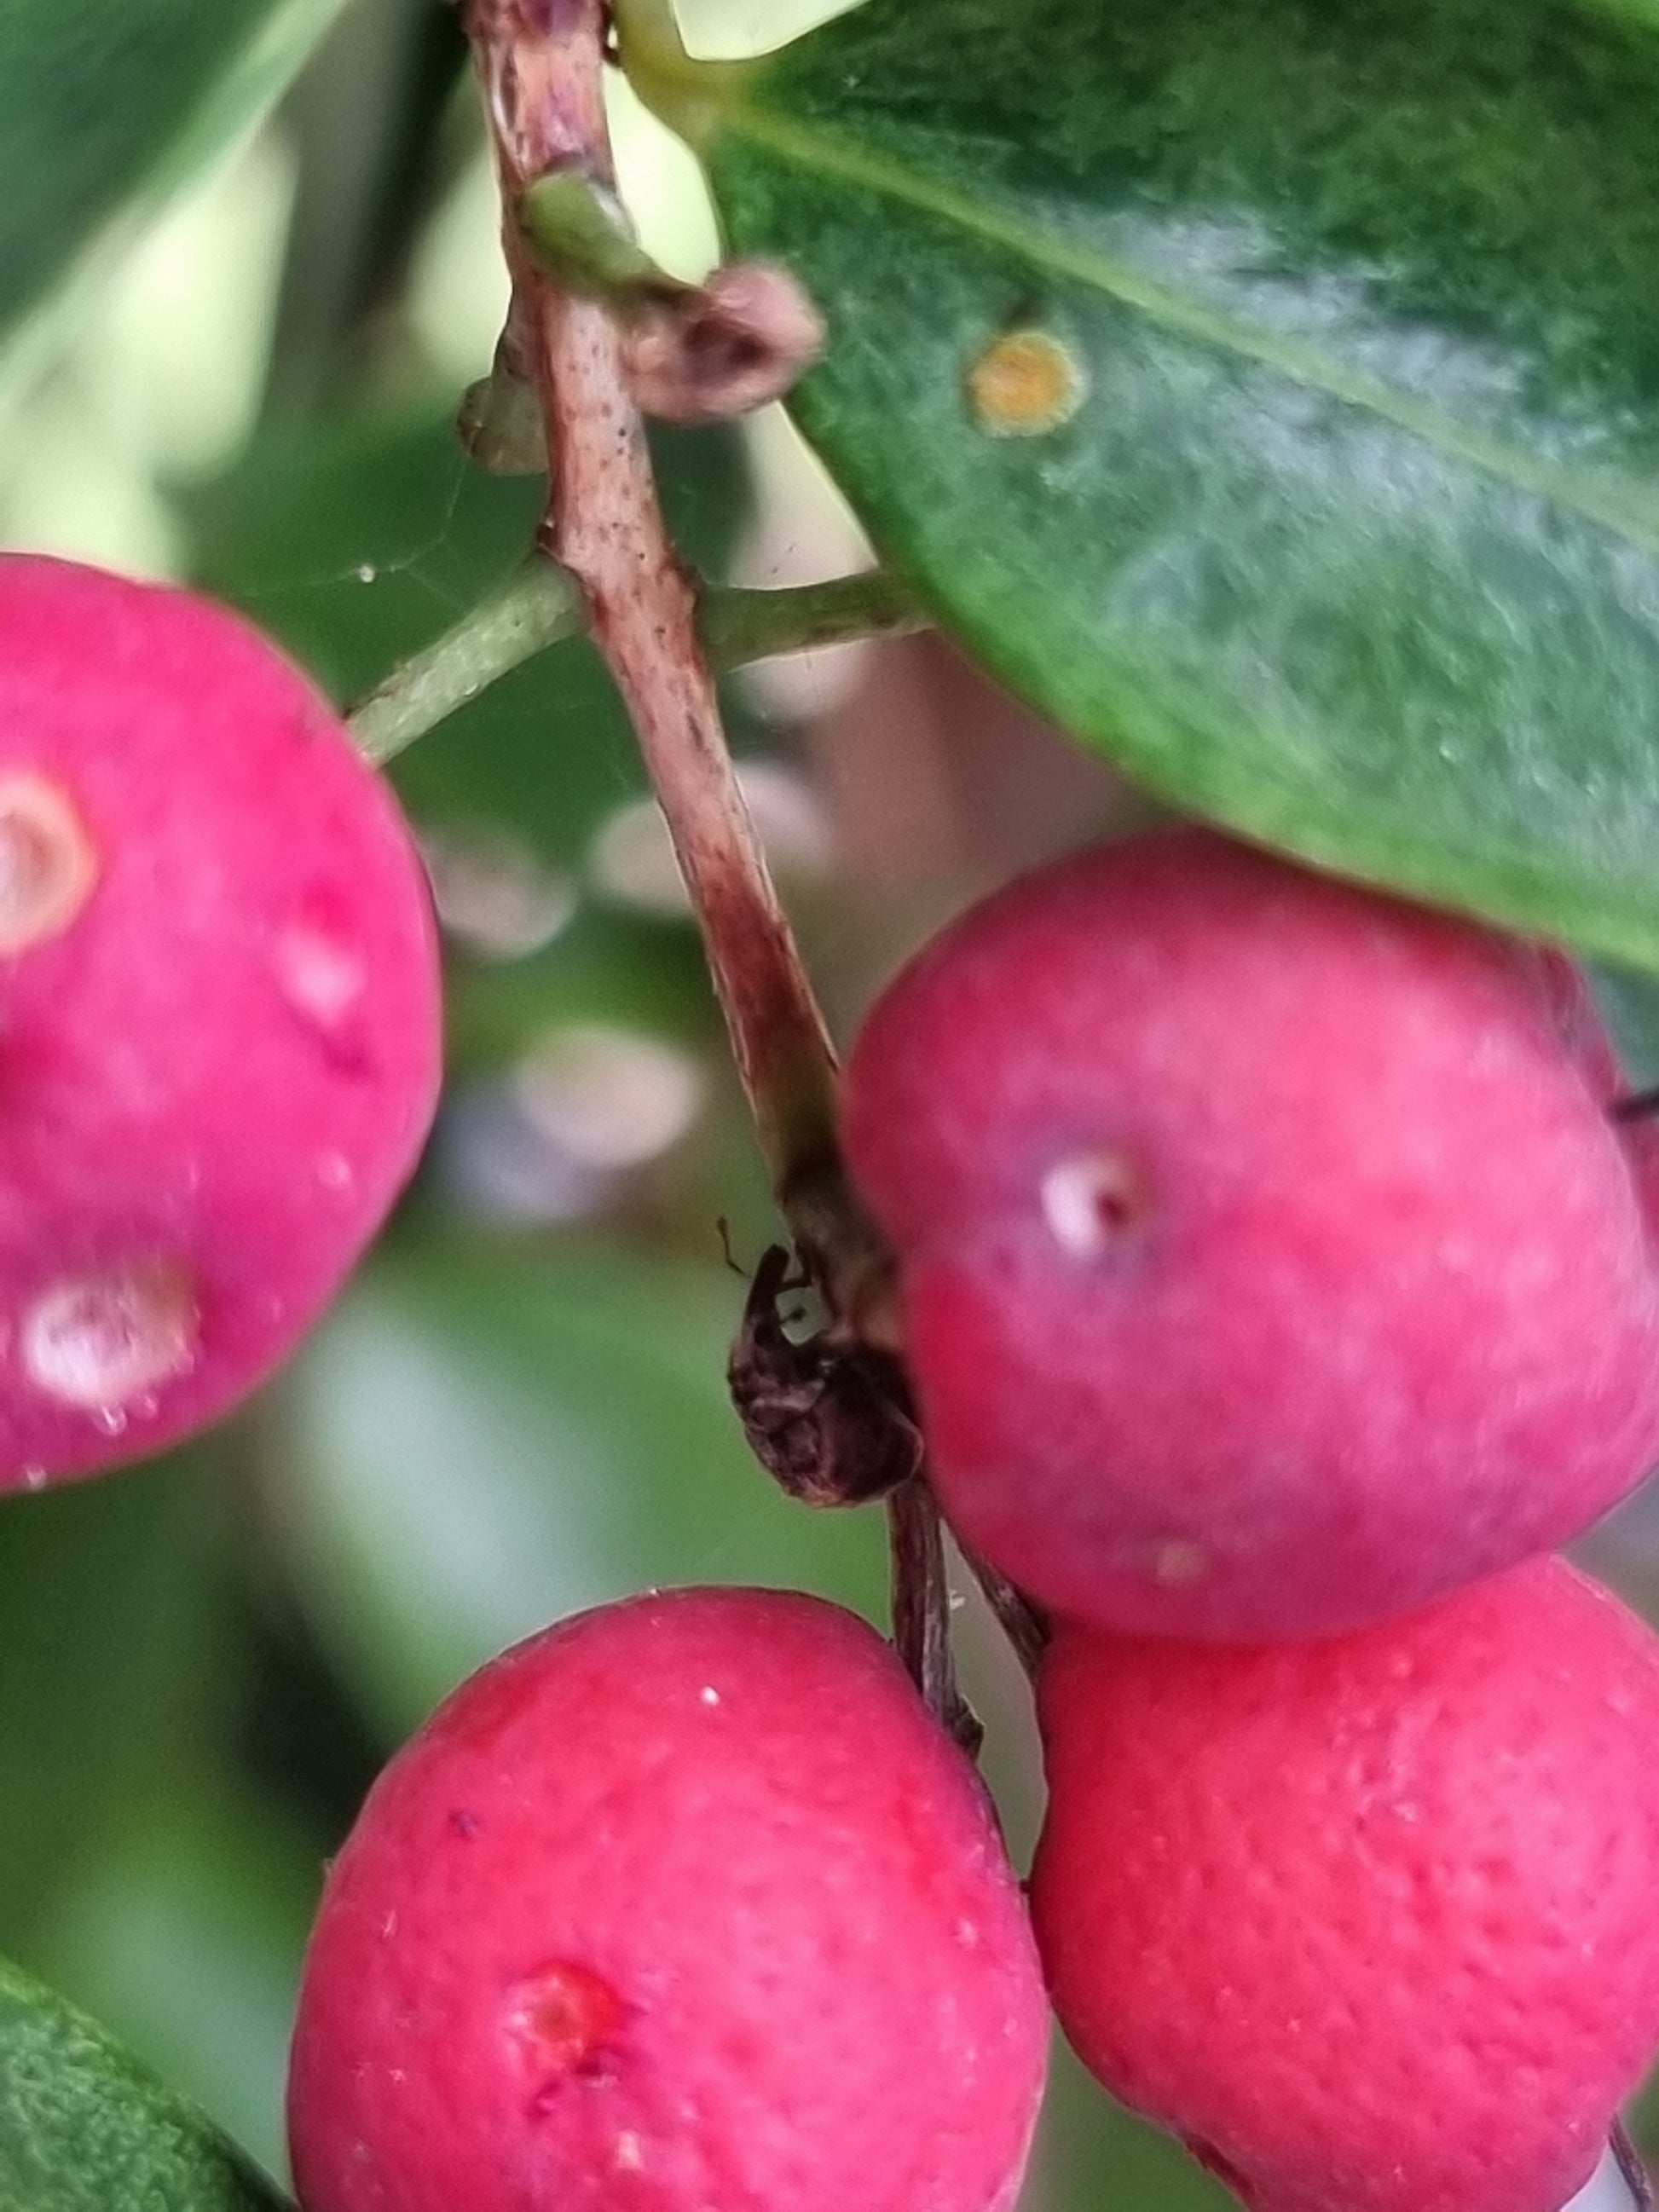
540,606
543,605
738,626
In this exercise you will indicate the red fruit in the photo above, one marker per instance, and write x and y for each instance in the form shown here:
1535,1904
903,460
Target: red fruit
1368,1923
685,1904
219,1051
1269,1261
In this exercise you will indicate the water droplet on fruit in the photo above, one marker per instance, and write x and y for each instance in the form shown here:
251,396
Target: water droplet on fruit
334,1171
563,2021
48,868
103,1341
1024,383
35,1478
1093,1201
320,974
708,1695
628,2156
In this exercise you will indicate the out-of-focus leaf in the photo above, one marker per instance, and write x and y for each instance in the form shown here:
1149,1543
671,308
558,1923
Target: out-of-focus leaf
185,1935
83,2128
359,542
1270,393
609,968
1091,2153
358,538
1630,1006
104,1593
484,1439
103,105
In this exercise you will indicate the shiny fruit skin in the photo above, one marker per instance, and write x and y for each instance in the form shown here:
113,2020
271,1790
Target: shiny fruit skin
1368,1922
220,1049
685,1904
1269,1263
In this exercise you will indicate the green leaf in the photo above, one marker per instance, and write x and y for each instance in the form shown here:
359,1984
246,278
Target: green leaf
357,541
83,2128
487,1435
107,1600
185,1934
105,106
1348,534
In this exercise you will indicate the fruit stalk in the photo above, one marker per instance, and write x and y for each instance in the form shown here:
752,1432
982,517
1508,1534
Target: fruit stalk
540,63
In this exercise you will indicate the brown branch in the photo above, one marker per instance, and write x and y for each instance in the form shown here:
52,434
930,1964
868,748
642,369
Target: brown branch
921,1608
540,63
1631,2167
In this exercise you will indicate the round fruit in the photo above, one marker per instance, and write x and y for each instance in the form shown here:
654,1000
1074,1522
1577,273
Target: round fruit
685,1903
1368,1922
1269,1261
220,1047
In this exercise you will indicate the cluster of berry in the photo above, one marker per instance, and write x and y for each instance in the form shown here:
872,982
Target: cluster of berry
1278,1287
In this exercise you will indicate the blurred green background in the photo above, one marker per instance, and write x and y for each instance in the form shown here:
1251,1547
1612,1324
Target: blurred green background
518,1409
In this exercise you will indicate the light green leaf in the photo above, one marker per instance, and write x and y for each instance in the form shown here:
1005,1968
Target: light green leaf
1346,530
106,106
185,1932
486,1437
83,2128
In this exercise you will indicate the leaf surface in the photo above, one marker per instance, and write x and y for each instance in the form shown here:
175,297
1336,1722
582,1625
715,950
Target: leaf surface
105,106
83,2128
1344,525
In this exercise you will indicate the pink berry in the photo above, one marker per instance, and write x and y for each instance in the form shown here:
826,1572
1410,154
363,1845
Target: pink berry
220,1046
683,1904
1368,1923
1269,1261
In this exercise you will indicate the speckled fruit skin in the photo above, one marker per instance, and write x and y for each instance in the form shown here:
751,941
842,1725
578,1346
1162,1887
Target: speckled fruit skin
216,1074
1368,1923
1367,1306
712,1843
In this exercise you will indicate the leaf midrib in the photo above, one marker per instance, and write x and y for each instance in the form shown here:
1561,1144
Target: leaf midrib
1600,499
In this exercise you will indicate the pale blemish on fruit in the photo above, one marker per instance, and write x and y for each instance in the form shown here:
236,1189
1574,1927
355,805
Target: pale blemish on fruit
103,1341
1024,383
1177,1560
1093,1201
562,2022
48,863
321,974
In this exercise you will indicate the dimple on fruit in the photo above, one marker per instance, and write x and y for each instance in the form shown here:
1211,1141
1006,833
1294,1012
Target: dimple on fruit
1269,1261
684,1903
219,1048
1368,1922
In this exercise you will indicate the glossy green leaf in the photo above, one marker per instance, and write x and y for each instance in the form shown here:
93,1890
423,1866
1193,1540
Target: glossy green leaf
1347,529
487,1435
83,2128
105,104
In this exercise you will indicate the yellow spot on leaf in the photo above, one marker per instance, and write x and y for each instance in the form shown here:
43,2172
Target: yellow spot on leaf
1025,383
